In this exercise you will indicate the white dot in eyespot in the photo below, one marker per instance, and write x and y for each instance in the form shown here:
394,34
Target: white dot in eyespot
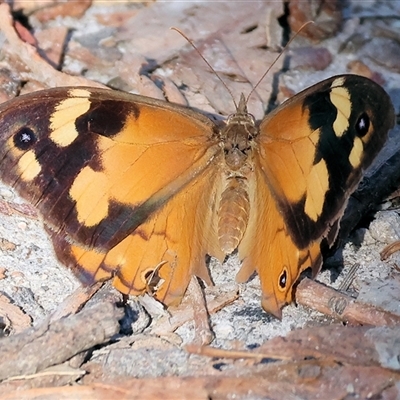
363,125
25,138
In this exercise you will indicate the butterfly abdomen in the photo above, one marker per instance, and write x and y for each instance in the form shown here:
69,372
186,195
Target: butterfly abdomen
233,215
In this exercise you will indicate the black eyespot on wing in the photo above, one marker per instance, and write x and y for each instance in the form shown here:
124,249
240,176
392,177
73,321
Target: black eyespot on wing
106,118
362,124
283,279
25,138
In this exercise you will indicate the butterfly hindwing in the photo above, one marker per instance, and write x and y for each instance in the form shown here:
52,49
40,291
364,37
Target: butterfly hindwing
170,245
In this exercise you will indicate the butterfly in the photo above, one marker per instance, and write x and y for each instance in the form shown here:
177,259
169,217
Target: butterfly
138,190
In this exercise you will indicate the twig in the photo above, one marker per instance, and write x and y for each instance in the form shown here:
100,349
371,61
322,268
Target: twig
203,332
331,302
53,343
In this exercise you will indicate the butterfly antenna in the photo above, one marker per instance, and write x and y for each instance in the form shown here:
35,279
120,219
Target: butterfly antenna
277,58
209,65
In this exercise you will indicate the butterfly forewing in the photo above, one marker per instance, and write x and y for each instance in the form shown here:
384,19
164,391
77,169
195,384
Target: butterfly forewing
98,161
314,158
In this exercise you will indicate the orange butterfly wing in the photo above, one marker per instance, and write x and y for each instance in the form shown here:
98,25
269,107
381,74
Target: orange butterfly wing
310,155
101,166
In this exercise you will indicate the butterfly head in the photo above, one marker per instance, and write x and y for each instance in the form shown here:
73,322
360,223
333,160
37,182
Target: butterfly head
242,106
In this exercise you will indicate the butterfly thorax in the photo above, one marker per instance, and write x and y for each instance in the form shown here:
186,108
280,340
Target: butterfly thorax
239,131
234,205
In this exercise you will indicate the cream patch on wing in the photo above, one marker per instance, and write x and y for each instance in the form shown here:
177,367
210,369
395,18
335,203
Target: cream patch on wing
62,121
29,167
356,153
317,186
340,98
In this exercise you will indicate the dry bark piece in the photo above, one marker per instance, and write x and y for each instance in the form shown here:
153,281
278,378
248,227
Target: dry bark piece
325,361
17,319
238,66
75,301
9,85
58,375
326,15
41,346
31,6
305,380
25,34
202,329
28,55
310,58
360,345
172,93
331,302
51,41
213,352
384,52
71,8
359,68
24,209
182,314
147,357
116,19
381,29
390,249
